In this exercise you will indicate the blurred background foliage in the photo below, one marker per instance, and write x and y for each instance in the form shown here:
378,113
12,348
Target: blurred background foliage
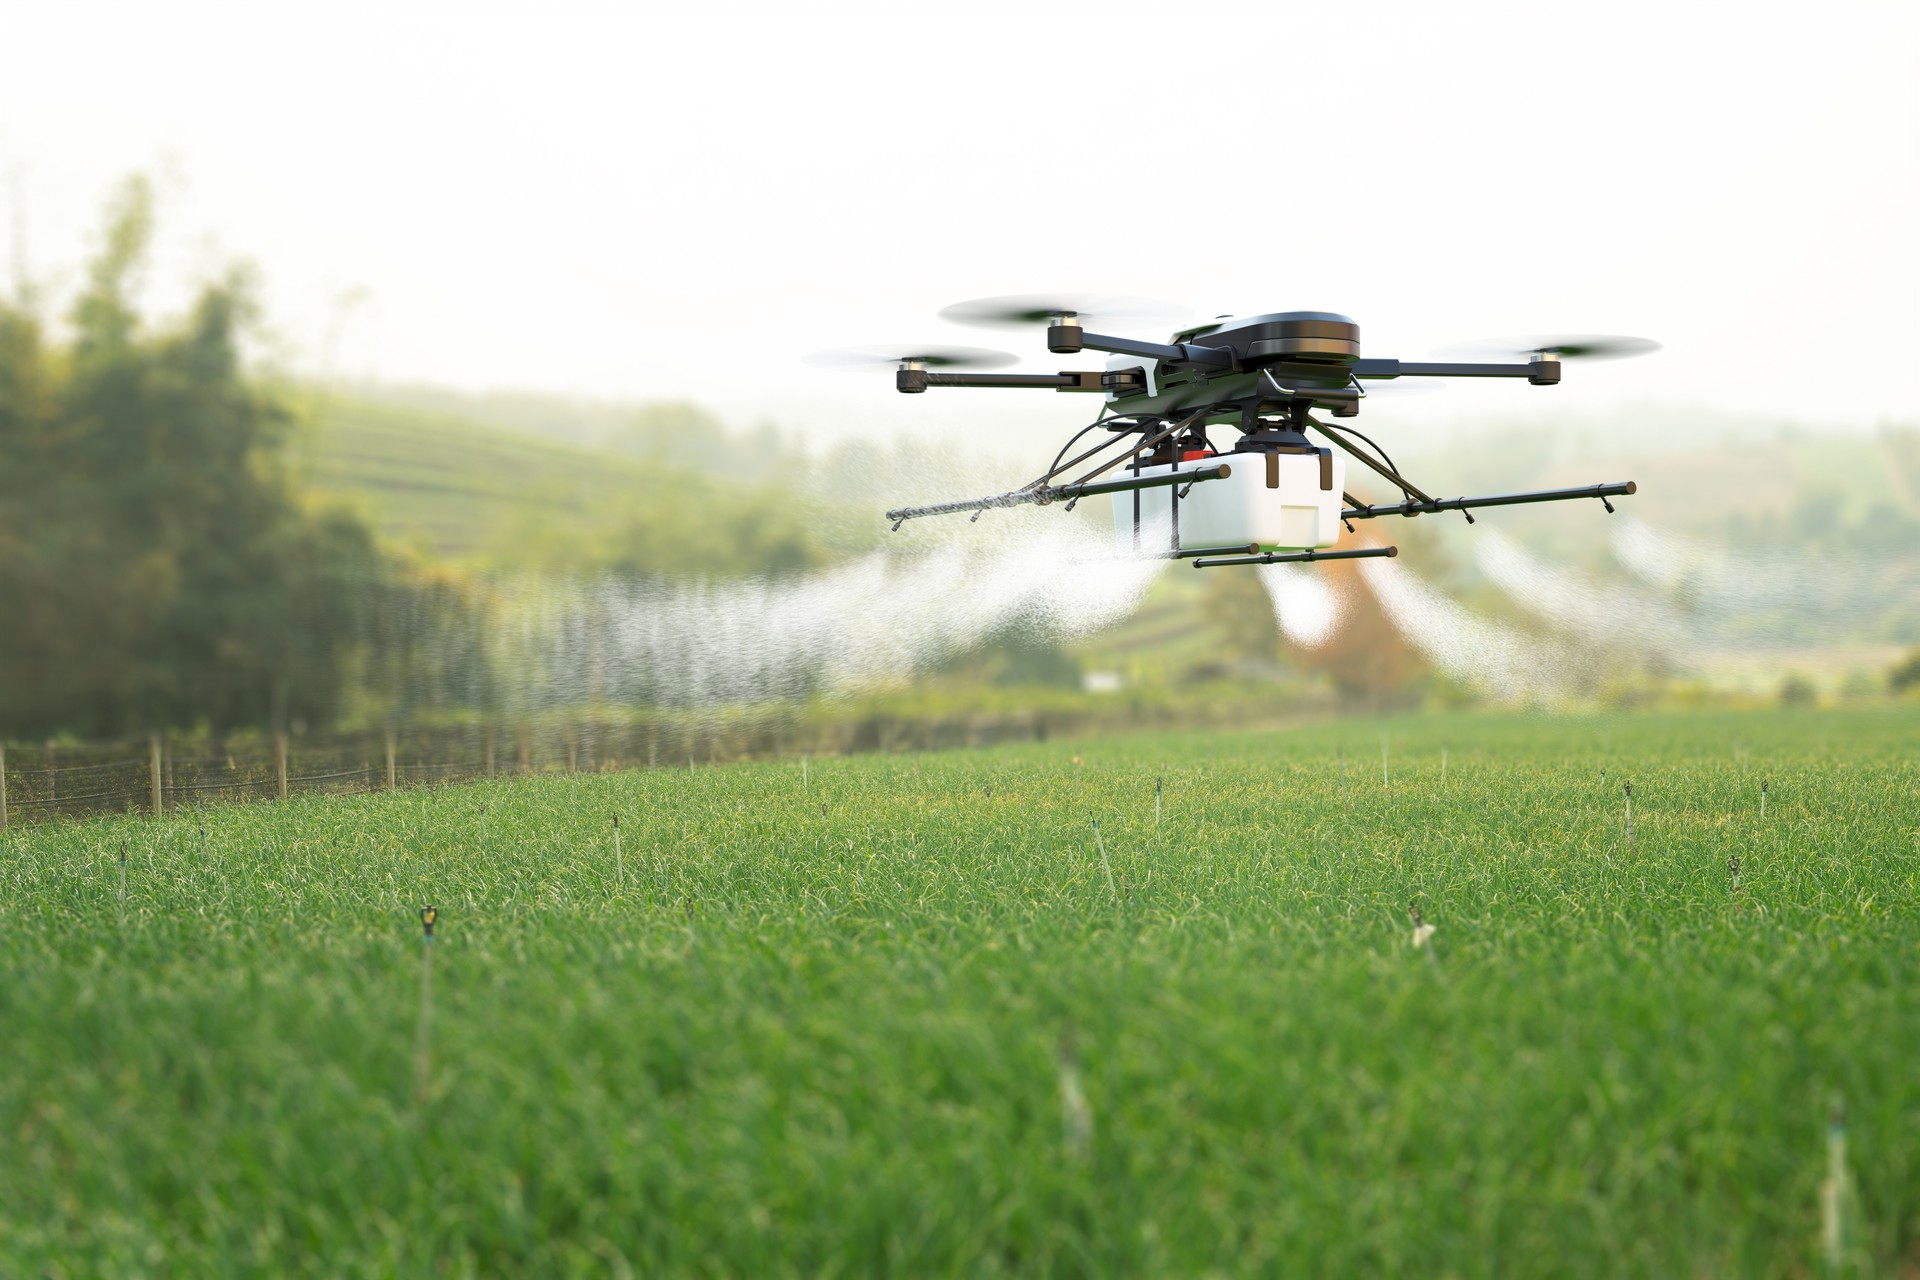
188,541
157,564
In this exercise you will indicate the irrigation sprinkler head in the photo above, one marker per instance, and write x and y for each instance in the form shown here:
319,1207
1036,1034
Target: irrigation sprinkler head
429,915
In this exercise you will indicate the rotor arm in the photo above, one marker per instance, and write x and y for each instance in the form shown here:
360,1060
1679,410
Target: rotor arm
1066,339
1542,371
912,379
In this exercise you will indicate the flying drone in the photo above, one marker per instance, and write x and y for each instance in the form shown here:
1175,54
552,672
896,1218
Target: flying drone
1277,495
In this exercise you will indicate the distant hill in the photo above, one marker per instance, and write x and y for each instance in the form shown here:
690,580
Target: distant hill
457,489
544,482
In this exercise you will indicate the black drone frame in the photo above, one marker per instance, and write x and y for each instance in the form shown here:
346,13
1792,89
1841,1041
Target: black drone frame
1283,367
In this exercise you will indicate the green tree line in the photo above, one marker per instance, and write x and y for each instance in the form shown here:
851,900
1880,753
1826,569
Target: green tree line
156,567
163,564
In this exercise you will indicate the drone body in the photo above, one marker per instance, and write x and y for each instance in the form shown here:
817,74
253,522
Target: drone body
1277,493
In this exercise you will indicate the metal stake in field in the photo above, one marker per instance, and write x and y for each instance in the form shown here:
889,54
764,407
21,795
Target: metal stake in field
1104,864
619,868
1423,935
1763,799
1383,760
1629,817
1156,802
1836,1193
1076,1117
422,1060
803,774
123,884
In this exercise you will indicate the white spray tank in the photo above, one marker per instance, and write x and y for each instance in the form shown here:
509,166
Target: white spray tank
1272,500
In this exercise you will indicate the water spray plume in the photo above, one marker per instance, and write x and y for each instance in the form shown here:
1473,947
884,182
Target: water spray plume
1465,647
1304,604
1574,603
878,620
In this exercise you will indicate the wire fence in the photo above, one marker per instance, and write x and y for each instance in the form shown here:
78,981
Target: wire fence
164,772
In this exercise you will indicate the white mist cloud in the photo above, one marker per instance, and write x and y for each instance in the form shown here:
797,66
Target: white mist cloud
1593,611
1306,608
879,619
1467,647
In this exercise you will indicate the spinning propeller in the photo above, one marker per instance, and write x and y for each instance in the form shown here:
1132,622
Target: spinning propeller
928,357
1020,310
1566,346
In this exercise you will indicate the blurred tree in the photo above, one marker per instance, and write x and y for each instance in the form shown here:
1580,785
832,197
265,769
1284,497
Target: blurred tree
157,568
1798,691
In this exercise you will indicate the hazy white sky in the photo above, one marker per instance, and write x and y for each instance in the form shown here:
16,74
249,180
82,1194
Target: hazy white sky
654,200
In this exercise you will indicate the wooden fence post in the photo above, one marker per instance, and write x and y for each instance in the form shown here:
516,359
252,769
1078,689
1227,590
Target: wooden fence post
390,773
153,772
280,760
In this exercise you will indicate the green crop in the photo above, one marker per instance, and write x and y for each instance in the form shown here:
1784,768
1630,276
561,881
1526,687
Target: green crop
898,1019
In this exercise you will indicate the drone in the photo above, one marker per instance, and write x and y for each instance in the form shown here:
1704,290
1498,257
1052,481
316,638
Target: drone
1278,494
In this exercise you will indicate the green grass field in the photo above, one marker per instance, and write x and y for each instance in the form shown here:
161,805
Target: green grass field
824,1028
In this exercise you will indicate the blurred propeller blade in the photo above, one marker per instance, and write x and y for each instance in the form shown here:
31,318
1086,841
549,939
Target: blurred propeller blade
1568,346
1017,311
881,357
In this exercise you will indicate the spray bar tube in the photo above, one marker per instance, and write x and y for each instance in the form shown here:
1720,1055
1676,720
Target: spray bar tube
1049,494
1250,549
1600,491
1290,557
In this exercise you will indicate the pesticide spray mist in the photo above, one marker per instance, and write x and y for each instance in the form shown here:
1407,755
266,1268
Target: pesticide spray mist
877,620
891,616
